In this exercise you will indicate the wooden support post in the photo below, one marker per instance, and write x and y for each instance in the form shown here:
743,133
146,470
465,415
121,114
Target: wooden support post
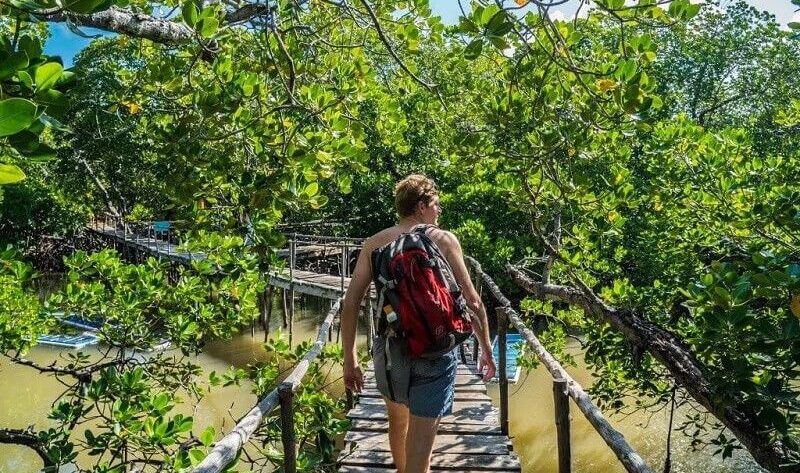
285,302
270,296
330,330
502,329
342,268
339,329
292,249
561,403
286,396
346,259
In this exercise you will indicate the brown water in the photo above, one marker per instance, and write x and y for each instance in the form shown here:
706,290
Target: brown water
25,398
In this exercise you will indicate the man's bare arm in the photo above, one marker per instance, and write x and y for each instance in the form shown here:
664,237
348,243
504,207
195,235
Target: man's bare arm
359,283
451,248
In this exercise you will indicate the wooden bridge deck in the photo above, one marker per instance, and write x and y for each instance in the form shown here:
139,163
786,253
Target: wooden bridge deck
468,440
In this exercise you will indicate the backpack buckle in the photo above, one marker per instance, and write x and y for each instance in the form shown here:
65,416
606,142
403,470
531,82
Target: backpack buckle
387,283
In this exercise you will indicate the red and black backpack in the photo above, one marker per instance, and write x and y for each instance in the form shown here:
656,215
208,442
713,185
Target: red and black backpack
419,300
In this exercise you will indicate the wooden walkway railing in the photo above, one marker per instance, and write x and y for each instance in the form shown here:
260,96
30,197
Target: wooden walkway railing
564,387
227,448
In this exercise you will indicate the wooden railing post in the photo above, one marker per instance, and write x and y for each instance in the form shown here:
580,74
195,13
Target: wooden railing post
342,268
561,404
292,249
346,258
502,329
286,396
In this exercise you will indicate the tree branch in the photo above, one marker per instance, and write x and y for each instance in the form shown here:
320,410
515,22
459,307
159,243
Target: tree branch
27,438
124,22
681,362
390,48
139,25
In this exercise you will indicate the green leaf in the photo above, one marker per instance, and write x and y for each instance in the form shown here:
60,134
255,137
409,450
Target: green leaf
691,11
473,49
47,74
16,114
196,455
312,189
10,65
25,78
318,201
31,46
498,25
10,174
207,436
794,25
190,13
208,26
345,183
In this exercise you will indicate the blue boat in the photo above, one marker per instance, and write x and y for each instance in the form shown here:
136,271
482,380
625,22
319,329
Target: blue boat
69,341
512,343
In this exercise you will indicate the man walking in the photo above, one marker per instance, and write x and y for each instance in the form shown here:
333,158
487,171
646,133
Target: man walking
431,380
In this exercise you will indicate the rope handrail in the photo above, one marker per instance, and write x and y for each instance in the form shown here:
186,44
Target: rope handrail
613,438
228,447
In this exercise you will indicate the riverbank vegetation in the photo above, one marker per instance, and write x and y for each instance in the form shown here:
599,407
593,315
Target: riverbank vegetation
630,175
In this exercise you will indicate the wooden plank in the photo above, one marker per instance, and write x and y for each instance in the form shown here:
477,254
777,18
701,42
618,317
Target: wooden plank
442,461
461,380
463,412
377,401
377,469
469,444
462,370
444,428
473,388
459,395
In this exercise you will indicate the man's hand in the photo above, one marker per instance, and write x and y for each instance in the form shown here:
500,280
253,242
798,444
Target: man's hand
353,377
486,365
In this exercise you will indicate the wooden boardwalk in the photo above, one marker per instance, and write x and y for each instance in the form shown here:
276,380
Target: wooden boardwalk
468,440
305,282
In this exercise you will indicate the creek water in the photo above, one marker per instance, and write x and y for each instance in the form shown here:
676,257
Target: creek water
26,396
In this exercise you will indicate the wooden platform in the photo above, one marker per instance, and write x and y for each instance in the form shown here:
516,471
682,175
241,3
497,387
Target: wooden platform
468,440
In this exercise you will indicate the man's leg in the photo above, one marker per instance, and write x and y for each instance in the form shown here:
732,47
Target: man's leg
420,445
398,427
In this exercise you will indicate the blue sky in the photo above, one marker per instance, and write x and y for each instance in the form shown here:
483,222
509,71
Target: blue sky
67,44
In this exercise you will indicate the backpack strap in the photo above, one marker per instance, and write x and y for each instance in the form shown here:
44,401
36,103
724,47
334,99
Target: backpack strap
423,228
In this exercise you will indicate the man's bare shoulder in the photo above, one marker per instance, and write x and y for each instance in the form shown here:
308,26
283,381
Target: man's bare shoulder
443,238
381,238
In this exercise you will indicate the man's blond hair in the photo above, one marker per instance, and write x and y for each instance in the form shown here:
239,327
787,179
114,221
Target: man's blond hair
411,190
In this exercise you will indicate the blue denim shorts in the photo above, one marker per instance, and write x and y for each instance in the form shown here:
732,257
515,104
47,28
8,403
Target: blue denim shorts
425,385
